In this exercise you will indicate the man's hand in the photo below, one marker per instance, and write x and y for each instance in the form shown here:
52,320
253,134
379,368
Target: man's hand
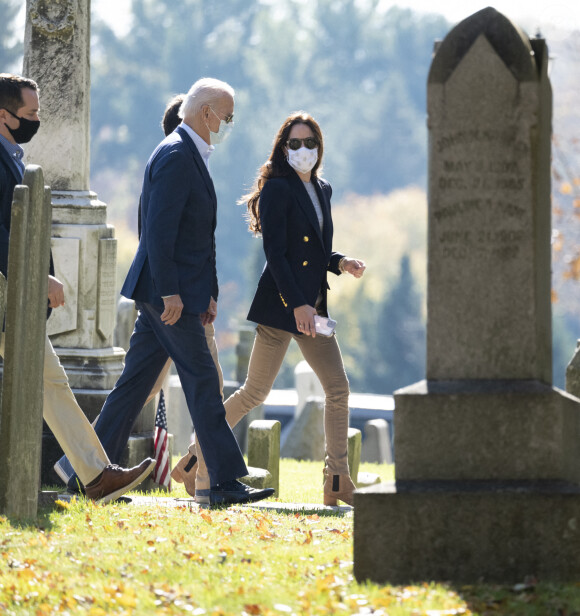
173,308
356,267
209,316
304,316
55,292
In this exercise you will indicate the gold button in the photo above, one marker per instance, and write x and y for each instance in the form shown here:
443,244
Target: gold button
306,238
305,263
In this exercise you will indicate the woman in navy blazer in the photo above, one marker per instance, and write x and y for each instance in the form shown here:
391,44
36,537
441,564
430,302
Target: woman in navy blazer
290,207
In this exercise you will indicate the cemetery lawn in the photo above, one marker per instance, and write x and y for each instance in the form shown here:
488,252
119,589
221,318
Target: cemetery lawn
100,560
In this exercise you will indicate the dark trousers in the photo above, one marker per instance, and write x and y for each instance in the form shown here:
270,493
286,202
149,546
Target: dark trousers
151,344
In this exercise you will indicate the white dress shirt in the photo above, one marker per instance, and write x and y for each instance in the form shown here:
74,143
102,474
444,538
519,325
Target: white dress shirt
204,148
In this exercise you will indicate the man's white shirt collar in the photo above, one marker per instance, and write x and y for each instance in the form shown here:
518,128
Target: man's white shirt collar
204,148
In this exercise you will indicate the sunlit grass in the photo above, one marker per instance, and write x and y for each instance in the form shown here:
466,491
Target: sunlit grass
100,560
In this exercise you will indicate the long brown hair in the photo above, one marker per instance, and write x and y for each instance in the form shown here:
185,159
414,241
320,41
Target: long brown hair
277,165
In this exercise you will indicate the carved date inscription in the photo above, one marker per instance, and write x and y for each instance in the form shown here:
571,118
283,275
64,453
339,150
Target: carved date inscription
478,198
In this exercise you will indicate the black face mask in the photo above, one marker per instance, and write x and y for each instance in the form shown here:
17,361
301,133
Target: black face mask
26,130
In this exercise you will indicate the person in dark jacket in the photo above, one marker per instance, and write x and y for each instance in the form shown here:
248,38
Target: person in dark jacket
173,280
290,207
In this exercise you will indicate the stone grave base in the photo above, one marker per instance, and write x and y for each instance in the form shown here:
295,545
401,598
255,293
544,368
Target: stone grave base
467,532
486,430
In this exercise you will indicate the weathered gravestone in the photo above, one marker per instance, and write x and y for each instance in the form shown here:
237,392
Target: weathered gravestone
24,344
487,453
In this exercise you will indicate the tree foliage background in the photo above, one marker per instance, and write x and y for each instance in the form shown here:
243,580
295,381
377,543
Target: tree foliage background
361,72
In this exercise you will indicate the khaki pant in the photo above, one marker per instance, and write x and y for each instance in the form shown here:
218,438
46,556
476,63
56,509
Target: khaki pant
67,421
323,355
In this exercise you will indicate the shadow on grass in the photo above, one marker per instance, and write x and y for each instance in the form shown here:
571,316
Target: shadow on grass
524,599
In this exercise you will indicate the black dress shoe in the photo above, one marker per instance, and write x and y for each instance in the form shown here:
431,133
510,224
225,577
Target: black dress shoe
235,492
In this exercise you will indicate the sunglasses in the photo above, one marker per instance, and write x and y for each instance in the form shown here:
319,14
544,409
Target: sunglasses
227,119
309,142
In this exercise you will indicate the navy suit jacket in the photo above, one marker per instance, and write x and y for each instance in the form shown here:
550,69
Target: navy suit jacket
176,252
9,178
298,254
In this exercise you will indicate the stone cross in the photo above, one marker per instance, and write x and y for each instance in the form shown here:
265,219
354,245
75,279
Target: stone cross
24,344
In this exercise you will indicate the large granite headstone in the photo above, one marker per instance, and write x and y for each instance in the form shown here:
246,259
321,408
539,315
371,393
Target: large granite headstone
485,448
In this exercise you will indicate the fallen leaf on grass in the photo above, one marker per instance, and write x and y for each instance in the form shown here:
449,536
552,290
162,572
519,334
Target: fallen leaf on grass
206,517
194,556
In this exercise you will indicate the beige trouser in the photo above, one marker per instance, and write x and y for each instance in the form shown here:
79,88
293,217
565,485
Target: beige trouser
67,421
323,355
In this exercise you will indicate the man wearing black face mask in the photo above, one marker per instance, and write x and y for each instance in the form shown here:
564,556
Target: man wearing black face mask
103,481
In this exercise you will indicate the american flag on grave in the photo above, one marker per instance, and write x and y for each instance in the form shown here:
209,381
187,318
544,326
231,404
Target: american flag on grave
162,470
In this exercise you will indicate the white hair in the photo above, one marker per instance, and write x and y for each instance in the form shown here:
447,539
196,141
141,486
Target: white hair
203,92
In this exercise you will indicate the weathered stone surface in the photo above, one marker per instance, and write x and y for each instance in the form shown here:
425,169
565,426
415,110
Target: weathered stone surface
467,533
126,317
24,342
486,451
573,373
57,36
264,449
486,430
376,446
363,480
66,253
354,449
178,417
106,287
305,439
95,295
489,205
307,385
259,478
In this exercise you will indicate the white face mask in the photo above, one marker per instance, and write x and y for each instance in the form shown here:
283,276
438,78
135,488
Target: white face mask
302,159
223,131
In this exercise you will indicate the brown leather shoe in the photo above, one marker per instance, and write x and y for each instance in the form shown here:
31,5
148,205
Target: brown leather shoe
185,472
115,480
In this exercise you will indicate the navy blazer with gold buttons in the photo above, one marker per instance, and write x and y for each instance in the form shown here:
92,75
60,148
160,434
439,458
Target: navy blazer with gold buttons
298,254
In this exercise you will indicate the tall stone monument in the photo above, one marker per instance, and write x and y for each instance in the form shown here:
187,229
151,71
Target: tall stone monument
57,45
487,453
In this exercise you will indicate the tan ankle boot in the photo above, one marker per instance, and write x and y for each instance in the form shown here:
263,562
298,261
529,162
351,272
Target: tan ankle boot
338,487
185,471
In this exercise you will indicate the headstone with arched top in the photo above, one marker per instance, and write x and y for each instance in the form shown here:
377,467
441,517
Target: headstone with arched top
487,453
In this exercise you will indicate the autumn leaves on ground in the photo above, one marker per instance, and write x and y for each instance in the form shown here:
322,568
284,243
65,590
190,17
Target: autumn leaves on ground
84,558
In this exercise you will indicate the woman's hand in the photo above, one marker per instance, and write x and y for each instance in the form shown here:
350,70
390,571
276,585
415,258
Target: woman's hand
304,316
356,267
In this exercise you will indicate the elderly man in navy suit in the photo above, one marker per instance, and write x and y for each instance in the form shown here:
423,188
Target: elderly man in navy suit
173,281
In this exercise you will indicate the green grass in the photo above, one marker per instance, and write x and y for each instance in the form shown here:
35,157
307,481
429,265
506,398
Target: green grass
301,482
100,560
